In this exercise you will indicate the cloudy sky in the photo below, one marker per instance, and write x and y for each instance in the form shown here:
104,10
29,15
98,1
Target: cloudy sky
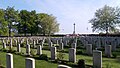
67,12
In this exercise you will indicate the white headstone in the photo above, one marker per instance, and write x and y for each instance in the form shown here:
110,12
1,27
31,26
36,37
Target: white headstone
28,49
108,50
9,60
61,46
97,59
18,48
72,55
4,45
39,49
53,53
30,63
89,49
34,43
11,43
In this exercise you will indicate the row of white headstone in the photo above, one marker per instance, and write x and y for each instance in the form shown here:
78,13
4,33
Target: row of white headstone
30,62
100,41
108,50
72,53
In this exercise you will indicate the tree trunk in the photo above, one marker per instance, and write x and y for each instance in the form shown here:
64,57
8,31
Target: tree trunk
9,29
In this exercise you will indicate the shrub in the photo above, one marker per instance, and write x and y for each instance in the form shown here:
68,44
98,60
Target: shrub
60,55
79,43
4,50
43,57
2,66
114,55
79,52
81,63
11,50
18,53
66,46
33,52
23,44
70,41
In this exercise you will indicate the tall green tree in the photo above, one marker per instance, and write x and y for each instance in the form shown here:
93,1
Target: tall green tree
106,19
32,22
24,18
11,16
48,24
3,24
27,24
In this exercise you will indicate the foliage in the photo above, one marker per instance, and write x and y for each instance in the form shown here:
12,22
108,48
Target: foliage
81,63
4,50
14,22
106,19
60,55
11,16
11,50
114,55
18,53
70,41
79,43
40,23
23,44
27,23
47,23
33,52
79,52
43,57
3,23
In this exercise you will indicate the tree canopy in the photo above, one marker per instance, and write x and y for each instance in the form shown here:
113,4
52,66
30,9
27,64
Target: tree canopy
48,23
106,19
11,16
26,22
3,24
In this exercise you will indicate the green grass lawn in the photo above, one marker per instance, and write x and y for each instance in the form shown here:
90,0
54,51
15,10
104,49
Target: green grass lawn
19,61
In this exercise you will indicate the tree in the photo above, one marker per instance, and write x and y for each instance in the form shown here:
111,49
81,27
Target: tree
3,24
28,19
48,23
106,19
11,16
32,22
23,25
